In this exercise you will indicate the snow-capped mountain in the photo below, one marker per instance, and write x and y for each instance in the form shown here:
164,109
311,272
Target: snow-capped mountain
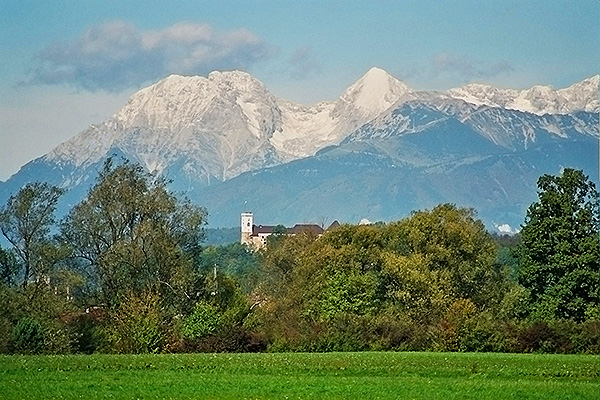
508,128
219,126
307,129
539,99
224,135
226,124
416,155
374,93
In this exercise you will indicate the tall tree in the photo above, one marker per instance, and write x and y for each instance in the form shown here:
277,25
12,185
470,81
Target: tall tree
26,221
560,261
135,235
454,246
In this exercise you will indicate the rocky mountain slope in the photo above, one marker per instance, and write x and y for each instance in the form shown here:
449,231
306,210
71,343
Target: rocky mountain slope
416,156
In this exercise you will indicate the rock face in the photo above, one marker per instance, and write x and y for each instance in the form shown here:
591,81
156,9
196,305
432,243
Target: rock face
209,134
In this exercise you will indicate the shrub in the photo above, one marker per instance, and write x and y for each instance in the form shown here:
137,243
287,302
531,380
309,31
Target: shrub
345,332
482,333
136,326
58,338
587,339
28,336
87,331
544,338
395,330
204,321
6,329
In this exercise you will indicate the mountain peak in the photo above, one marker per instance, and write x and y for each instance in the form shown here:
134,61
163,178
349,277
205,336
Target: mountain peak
235,76
376,73
179,100
375,92
593,80
379,80
587,85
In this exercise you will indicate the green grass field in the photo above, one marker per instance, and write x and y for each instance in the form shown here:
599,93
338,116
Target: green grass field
302,376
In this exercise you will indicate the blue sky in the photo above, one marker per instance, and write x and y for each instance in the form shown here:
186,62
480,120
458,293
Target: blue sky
67,64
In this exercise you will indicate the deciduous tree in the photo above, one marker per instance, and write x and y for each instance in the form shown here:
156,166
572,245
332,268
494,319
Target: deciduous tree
135,235
25,222
560,262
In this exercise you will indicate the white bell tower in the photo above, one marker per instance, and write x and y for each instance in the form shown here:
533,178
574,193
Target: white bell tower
247,222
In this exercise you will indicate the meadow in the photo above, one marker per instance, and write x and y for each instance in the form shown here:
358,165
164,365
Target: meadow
368,375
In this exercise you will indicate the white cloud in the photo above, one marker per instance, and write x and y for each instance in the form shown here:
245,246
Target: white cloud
302,63
450,68
116,55
465,68
506,229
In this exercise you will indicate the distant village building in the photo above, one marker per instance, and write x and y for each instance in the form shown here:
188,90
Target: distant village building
256,235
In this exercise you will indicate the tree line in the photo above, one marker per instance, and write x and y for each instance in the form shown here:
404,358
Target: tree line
125,271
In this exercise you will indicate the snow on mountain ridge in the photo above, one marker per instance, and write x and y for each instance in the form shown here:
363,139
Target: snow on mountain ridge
307,129
539,99
304,130
178,101
583,95
222,123
228,122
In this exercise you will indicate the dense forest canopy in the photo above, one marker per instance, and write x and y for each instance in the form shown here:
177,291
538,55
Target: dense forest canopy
126,271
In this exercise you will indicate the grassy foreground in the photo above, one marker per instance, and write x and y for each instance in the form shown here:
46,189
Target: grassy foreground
302,376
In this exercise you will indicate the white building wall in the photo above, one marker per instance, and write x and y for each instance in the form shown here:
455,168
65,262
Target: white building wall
246,227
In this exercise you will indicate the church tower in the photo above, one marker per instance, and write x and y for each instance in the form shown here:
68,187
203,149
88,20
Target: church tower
247,222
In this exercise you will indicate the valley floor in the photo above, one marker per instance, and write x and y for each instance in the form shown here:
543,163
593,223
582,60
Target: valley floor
302,376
